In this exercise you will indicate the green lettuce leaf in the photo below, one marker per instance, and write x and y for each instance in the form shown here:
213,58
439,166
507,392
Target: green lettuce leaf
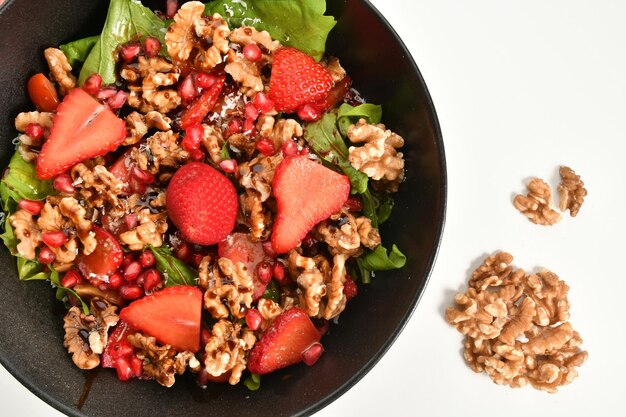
379,260
62,292
347,115
126,20
175,271
8,237
272,292
385,207
253,382
21,182
30,270
78,51
297,23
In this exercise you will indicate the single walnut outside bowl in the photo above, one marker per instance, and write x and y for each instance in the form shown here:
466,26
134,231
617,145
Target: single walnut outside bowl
31,336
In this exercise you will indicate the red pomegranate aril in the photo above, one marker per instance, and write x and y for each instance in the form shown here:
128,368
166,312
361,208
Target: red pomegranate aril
252,52
264,272
289,148
131,292
115,281
135,186
106,93
71,279
234,126
187,90
129,258
248,127
132,271
309,113
263,103
354,204
147,259
136,365
203,378
350,289
278,272
253,319
305,151
140,175
205,80
131,221
323,327
31,206
151,279
193,137
54,239
183,252
312,353
228,165
117,101
46,256
35,131
171,7
268,249
124,371
197,155
265,146
196,259
63,184
121,349
151,46
130,51
92,84
205,335
251,111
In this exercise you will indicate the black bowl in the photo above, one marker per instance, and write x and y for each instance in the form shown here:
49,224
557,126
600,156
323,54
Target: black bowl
31,336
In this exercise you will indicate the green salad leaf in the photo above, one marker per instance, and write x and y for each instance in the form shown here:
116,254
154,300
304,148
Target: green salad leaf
126,20
379,260
175,271
77,52
8,237
253,382
30,270
62,292
272,292
297,23
347,115
21,182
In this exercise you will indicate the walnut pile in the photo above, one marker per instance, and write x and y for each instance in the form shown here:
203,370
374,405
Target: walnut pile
346,234
97,186
86,335
537,204
226,282
138,125
227,349
378,158
571,190
516,326
150,83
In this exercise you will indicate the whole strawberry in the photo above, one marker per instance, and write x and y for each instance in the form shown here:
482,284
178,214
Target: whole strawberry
296,80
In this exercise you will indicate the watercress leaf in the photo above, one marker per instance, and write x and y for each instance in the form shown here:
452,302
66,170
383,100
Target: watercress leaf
272,292
347,115
297,23
253,382
77,51
370,205
175,271
385,207
62,292
20,182
126,19
30,270
8,237
224,153
380,260
366,274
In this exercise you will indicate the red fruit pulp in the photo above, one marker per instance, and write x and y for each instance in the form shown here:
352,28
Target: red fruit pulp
105,259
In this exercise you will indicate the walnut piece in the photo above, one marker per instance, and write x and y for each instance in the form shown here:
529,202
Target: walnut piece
96,186
86,335
227,350
228,282
150,230
61,69
72,210
246,35
245,72
378,158
162,151
571,190
537,204
213,142
148,83
27,232
137,125
336,70
516,326
269,310
41,118
346,234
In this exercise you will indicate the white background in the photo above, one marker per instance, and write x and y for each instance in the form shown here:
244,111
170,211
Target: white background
520,87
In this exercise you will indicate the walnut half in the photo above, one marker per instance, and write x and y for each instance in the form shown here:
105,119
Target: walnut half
571,190
537,204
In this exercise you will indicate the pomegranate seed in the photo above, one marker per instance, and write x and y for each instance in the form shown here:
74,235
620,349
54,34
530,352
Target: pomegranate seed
71,279
193,137
305,151
205,80
130,51
129,258
171,7
187,90
92,84
147,259
131,221
205,335
117,101
115,281
264,272
265,146
268,249
136,365
183,252
251,111
228,165
121,349
63,184
131,292
350,289
323,327
142,176
312,353
151,46
136,186
34,131
252,52
31,206
106,93
203,378
132,271
248,127
263,103
151,279
124,371
309,113
197,155
54,239
196,259
253,319
354,203
46,256
289,148
234,126
278,271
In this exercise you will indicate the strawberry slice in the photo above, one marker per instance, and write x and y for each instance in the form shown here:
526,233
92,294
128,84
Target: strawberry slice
203,104
116,345
306,193
296,79
83,128
284,342
171,315
239,248
105,259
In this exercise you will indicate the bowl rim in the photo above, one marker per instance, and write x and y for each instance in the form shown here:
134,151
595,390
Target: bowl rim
354,379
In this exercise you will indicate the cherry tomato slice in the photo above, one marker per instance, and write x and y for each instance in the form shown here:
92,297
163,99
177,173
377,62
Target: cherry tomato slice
42,93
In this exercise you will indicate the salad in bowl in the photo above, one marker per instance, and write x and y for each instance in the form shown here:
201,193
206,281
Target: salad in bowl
203,188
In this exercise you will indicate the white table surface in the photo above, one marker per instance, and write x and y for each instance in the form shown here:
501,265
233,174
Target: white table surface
520,87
